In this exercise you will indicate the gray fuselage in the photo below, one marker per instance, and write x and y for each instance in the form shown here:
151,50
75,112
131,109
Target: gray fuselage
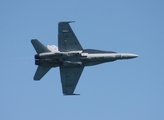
87,57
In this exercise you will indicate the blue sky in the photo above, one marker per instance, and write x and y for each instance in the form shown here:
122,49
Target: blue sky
121,90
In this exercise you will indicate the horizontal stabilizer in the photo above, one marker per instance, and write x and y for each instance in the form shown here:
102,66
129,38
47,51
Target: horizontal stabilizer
40,72
39,47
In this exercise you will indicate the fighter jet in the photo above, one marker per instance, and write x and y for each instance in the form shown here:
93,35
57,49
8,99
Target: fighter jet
70,57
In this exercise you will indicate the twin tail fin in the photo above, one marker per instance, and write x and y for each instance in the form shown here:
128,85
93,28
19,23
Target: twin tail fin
40,48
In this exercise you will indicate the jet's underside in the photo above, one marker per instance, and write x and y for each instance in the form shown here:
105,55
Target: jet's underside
78,58
70,57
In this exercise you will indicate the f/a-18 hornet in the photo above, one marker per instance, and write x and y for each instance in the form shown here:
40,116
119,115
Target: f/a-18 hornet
70,57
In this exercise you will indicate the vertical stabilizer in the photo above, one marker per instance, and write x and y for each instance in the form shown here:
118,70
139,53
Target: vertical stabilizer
53,48
39,47
40,72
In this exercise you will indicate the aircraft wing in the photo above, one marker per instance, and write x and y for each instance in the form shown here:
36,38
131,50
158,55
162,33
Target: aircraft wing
69,78
67,41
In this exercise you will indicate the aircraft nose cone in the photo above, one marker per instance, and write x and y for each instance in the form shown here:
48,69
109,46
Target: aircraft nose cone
127,56
132,56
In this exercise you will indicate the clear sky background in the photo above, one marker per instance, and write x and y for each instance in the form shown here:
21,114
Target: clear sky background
121,90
